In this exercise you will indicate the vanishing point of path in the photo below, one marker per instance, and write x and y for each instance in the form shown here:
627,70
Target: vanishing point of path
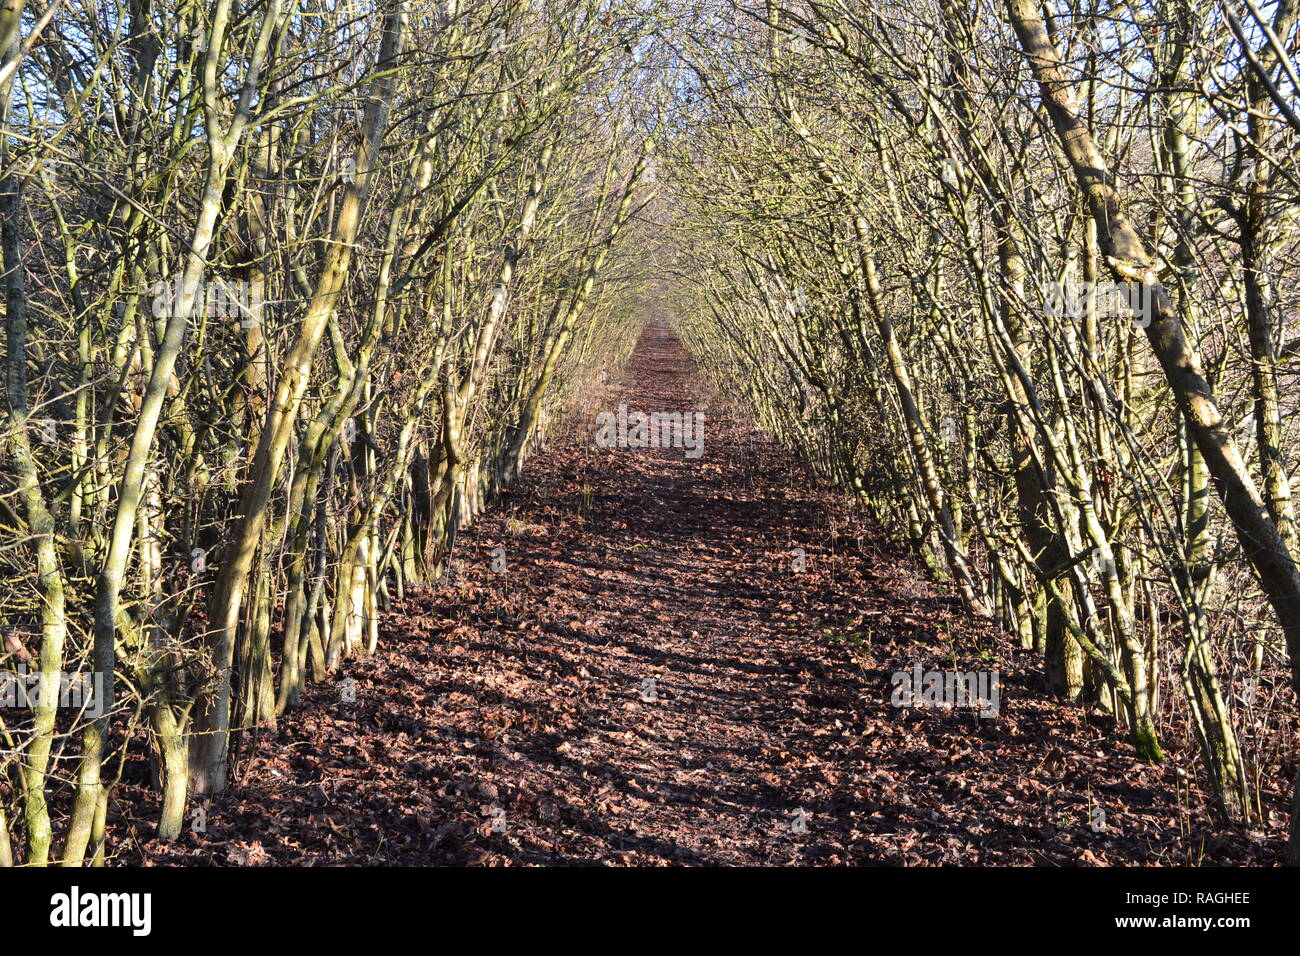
651,682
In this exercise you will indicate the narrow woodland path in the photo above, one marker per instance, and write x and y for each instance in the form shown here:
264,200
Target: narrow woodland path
504,720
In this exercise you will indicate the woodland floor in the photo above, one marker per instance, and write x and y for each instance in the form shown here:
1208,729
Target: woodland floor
503,719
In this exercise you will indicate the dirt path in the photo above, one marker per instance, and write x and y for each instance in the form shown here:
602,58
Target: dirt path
509,717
